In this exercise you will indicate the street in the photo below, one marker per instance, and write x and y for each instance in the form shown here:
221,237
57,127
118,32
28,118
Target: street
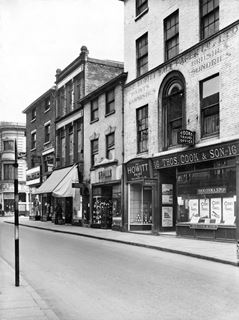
89,279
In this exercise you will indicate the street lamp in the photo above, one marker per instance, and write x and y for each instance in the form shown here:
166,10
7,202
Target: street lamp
16,217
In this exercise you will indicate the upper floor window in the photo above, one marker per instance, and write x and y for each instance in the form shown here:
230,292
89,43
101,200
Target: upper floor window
94,151
79,140
142,129
8,171
47,132
63,147
172,107
110,146
141,6
33,140
71,144
209,91
8,145
209,14
47,103
94,114
142,54
34,113
110,102
171,35
69,96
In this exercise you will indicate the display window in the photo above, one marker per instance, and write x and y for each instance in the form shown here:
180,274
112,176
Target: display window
140,205
207,195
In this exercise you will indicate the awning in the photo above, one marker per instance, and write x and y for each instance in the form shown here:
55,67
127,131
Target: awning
54,180
64,188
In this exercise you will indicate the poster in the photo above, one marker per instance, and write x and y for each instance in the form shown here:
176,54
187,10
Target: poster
228,210
204,208
167,216
167,194
216,209
193,208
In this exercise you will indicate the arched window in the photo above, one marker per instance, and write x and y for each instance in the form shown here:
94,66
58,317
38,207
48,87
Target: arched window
172,108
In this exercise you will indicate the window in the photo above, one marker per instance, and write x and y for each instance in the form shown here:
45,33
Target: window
47,132
79,140
8,145
69,96
172,103
47,103
71,144
8,171
209,90
110,146
94,151
141,6
142,54
33,140
110,101
142,129
34,113
63,148
94,110
171,36
209,13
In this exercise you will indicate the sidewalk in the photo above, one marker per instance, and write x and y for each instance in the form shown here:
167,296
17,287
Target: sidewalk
20,303
221,252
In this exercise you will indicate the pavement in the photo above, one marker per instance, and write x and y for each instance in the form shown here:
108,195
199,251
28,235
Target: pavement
24,303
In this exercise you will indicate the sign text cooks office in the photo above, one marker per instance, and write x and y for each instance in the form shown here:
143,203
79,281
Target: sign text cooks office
193,192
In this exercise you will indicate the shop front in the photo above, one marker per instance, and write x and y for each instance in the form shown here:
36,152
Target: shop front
203,192
141,188
106,197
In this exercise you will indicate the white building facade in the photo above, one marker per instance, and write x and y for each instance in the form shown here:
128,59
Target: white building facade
181,117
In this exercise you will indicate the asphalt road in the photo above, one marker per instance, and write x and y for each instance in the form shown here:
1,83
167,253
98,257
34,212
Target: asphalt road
88,279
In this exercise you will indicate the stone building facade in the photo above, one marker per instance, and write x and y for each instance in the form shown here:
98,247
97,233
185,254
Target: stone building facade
181,129
11,133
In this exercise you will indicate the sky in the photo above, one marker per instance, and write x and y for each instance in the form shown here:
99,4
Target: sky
39,36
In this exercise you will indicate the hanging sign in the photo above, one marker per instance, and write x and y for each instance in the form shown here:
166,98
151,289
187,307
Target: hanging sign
186,137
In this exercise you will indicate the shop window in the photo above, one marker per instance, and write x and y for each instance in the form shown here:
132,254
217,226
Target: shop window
33,140
141,6
209,17
94,151
209,90
94,110
34,114
8,145
110,146
142,54
47,103
142,129
110,102
172,102
171,35
47,132
8,171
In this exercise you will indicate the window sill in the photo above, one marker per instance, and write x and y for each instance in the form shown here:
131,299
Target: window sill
33,120
33,149
210,136
47,110
142,152
47,142
93,121
139,16
110,113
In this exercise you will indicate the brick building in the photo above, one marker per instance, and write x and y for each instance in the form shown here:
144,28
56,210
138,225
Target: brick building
181,117
73,83
40,135
9,133
103,156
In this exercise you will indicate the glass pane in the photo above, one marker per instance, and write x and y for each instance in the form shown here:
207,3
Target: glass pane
210,86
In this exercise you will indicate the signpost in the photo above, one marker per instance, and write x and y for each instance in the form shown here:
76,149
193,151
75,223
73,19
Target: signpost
16,217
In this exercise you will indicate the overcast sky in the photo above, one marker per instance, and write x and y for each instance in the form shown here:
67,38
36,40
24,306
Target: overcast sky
39,36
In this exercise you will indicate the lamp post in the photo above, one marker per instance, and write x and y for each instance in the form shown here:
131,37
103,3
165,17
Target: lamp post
16,218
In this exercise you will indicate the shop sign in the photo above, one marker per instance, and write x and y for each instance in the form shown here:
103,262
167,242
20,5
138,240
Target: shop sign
105,174
33,176
216,152
138,169
215,190
186,137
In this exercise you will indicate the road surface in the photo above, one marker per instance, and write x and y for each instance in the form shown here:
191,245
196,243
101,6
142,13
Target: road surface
89,279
